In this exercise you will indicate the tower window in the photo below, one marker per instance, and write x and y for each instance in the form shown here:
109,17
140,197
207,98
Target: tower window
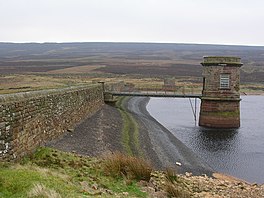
224,81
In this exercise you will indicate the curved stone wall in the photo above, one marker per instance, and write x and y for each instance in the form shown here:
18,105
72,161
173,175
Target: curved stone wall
30,119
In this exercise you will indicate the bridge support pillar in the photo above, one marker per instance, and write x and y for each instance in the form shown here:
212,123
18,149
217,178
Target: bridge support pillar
109,98
220,101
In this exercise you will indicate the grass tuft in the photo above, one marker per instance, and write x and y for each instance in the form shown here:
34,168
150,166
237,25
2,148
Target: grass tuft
118,164
175,191
41,191
171,175
171,184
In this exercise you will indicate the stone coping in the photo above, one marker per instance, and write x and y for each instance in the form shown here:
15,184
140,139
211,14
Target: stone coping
222,59
6,98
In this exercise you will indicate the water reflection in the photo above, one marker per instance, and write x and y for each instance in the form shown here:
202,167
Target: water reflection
214,140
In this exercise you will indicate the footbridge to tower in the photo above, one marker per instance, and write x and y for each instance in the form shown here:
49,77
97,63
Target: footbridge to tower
147,94
220,97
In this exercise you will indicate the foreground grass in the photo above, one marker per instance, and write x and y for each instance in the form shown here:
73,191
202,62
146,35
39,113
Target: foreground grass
51,173
54,174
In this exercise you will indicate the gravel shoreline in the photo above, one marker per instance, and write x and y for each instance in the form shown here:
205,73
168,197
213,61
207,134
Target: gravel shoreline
95,135
167,148
102,133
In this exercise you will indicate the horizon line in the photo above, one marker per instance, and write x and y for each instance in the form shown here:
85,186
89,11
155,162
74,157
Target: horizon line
129,42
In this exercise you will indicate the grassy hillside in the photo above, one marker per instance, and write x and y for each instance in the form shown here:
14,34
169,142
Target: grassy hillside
51,173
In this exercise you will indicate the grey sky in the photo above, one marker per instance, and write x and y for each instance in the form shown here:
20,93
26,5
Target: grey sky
177,21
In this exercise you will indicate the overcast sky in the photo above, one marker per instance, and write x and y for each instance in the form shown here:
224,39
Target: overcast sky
176,21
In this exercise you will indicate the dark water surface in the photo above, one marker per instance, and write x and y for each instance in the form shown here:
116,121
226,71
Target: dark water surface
238,152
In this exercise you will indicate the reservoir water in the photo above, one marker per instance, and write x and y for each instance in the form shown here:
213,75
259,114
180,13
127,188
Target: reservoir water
237,152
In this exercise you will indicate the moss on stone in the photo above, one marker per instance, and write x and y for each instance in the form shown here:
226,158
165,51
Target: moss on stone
223,113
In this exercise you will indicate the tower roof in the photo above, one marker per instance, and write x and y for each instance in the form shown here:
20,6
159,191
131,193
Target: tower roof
221,61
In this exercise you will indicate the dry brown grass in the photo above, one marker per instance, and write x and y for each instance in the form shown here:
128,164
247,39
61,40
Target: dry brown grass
76,70
171,184
42,191
171,175
175,191
118,164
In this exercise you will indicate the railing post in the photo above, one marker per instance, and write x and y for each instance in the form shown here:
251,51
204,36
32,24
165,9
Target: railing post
103,85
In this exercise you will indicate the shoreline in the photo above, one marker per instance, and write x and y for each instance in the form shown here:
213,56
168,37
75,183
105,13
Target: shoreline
216,174
102,133
198,161
170,151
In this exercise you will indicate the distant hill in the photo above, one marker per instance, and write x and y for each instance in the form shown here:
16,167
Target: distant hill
127,58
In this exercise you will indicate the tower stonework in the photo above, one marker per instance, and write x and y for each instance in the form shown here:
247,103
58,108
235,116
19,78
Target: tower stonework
220,99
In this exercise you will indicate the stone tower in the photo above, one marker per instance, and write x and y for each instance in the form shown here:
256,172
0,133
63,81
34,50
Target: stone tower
220,96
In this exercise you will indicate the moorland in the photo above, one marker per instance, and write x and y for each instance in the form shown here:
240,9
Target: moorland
31,66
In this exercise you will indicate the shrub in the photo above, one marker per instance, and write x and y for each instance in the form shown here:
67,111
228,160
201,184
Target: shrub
118,164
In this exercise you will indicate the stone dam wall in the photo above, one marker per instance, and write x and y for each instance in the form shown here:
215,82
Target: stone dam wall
28,120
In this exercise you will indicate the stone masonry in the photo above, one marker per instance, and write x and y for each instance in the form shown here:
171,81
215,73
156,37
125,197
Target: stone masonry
220,102
28,120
